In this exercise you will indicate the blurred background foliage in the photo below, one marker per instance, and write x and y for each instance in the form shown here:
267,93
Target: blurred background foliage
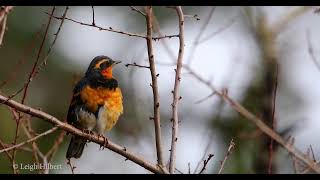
251,41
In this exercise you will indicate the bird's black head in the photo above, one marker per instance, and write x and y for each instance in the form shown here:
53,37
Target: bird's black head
101,66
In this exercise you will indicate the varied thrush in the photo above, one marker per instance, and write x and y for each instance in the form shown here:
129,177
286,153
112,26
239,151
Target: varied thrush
96,103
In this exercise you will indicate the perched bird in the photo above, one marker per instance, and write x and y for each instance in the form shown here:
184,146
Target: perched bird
96,103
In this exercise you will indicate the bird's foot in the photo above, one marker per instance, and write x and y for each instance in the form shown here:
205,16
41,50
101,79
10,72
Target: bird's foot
87,131
105,141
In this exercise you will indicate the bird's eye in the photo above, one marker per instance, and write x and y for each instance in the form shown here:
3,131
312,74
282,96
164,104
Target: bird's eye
103,65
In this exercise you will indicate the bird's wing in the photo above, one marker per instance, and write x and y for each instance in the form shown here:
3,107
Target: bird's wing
76,102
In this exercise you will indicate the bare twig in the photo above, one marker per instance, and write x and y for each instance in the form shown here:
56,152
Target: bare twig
156,103
38,57
176,96
91,137
311,51
44,62
113,30
229,151
205,162
93,21
137,10
165,36
137,65
29,140
99,27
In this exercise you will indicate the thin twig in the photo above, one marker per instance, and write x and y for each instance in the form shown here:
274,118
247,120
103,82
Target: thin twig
274,94
93,21
205,162
29,140
176,96
311,51
137,10
99,27
156,103
112,29
91,137
50,154
44,62
229,151
164,37
137,65
38,57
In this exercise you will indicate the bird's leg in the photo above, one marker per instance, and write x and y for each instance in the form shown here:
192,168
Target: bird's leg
105,141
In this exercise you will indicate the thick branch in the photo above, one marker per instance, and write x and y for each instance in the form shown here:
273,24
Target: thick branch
156,103
91,137
176,96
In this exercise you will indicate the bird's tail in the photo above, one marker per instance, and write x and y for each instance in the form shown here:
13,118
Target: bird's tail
76,147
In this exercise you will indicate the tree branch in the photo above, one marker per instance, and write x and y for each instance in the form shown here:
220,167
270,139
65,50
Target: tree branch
176,96
258,122
91,137
156,103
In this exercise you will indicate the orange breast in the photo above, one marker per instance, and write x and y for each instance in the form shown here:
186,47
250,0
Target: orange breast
112,99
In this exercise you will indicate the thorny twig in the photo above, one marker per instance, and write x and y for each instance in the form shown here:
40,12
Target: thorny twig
205,162
176,96
229,151
155,90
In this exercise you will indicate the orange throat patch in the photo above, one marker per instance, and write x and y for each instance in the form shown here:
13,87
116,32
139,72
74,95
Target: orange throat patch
107,73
